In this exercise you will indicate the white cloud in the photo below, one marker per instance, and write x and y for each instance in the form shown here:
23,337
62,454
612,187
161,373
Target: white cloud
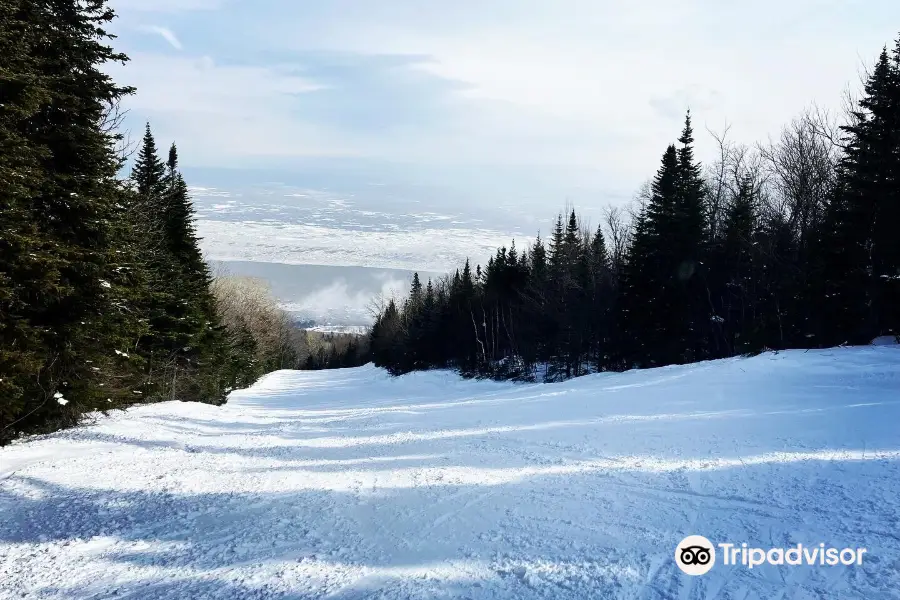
596,84
164,32
169,6
222,115
628,70
338,297
198,84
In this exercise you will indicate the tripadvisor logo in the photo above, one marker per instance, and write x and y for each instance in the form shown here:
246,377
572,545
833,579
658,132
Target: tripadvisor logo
696,555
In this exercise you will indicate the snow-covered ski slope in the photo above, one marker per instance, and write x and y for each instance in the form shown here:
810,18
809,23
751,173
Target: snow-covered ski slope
351,484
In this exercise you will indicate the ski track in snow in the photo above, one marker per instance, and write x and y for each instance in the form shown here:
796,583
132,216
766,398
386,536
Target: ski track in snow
351,484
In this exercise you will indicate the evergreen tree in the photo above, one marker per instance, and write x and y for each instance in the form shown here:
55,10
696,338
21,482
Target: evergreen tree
557,249
386,339
415,292
863,287
187,347
651,268
600,301
689,245
734,263
149,172
64,312
27,262
539,260
172,162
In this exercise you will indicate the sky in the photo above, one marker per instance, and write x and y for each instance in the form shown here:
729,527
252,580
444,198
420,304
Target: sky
569,100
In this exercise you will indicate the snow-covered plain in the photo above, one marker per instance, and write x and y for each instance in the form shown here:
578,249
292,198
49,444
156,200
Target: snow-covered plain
351,484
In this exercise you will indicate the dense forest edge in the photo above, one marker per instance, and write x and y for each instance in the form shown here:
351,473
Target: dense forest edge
105,298
793,243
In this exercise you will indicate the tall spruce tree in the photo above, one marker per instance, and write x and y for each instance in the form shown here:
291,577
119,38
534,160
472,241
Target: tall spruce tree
733,284
149,172
600,300
66,322
189,355
863,286
415,291
689,245
651,268
27,262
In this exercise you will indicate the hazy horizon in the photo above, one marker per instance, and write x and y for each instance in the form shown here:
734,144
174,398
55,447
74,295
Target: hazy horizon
352,134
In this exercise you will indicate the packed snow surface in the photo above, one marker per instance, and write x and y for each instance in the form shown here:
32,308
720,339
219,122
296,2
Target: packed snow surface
352,484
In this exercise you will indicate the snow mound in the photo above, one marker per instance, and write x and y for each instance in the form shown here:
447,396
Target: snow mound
352,484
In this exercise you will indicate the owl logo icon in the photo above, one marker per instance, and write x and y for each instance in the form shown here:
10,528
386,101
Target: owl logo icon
695,555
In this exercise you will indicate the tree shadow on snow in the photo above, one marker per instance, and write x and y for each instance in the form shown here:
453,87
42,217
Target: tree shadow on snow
582,535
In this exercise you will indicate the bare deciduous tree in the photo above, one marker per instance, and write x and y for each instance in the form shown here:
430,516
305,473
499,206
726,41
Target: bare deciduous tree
801,171
735,166
618,232
246,303
111,120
